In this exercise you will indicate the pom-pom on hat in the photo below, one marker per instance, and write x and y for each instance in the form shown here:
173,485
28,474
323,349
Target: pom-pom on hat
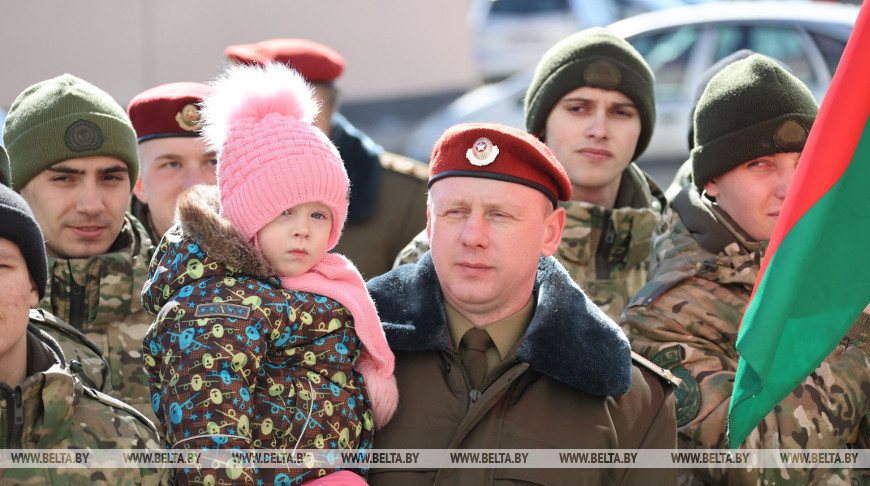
500,152
270,157
314,61
168,110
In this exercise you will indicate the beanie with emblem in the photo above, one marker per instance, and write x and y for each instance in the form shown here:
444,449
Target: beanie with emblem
596,58
66,118
500,152
750,109
270,157
18,225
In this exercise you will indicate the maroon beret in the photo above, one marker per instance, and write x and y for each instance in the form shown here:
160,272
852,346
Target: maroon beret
314,61
500,152
168,110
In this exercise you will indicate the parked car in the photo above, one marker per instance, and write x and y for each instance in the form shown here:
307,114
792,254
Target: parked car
679,44
509,35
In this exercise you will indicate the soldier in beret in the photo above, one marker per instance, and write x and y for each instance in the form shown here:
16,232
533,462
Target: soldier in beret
592,102
388,191
73,157
46,401
172,156
750,126
496,346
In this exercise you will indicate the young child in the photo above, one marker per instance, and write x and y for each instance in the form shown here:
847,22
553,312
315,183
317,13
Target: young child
262,339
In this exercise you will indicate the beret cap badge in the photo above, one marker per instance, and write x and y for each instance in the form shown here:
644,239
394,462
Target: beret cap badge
482,152
189,118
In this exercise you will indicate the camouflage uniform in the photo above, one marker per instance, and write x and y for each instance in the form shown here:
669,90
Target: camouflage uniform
54,410
604,250
100,296
84,357
686,318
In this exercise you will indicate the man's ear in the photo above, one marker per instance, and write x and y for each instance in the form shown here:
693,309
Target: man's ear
711,188
139,191
34,293
429,226
554,223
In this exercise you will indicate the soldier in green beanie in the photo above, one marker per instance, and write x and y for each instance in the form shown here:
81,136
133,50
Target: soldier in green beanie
73,157
50,398
750,126
592,102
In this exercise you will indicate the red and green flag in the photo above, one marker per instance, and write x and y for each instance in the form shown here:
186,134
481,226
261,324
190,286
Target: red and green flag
815,277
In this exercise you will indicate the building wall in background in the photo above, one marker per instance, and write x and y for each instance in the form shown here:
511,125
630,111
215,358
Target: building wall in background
394,49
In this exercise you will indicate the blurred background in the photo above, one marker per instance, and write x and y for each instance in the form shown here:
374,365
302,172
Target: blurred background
415,68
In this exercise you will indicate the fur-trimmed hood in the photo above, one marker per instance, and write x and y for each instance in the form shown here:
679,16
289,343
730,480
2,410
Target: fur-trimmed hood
224,251
568,339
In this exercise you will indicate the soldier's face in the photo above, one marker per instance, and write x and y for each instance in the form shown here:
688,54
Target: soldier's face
753,193
486,238
18,294
169,166
593,133
80,205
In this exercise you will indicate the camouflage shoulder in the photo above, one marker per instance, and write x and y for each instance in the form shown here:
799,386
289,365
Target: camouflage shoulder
414,250
663,373
654,289
404,165
84,357
46,320
122,407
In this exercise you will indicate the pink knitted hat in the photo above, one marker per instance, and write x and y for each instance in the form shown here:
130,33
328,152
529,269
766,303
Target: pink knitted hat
270,157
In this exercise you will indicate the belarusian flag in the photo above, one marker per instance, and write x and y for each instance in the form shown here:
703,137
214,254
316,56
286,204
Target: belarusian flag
815,278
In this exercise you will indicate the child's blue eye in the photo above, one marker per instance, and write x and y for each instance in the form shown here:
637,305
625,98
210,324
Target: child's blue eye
286,212
318,216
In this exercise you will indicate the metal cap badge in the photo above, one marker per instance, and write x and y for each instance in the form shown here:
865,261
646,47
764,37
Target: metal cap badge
188,118
482,152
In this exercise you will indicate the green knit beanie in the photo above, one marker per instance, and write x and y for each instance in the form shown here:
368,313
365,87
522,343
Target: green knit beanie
750,109
597,58
4,167
66,118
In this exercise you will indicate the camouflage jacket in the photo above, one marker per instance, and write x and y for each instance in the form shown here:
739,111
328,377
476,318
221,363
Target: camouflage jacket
606,251
235,361
52,409
686,318
100,297
84,357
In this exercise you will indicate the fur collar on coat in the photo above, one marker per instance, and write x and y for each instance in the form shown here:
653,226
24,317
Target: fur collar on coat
568,339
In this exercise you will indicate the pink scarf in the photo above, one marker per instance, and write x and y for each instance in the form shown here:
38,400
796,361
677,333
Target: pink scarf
336,277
